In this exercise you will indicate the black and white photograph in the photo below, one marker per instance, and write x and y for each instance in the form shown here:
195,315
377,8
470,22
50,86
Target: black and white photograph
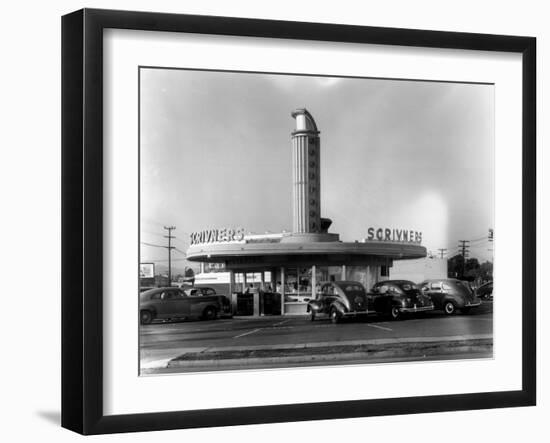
293,220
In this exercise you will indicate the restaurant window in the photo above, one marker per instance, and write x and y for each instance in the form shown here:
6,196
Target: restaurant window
359,274
384,271
298,285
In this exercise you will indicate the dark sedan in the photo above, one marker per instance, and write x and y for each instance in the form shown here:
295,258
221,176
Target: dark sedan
450,294
485,291
174,303
397,297
338,300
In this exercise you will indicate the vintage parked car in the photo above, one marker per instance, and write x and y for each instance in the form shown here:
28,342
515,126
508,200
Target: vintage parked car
338,300
450,294
174,303
485,291
396,297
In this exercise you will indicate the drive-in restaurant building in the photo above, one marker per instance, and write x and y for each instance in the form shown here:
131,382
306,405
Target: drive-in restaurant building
294,263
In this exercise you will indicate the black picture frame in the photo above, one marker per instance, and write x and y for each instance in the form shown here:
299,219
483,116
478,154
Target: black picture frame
82,218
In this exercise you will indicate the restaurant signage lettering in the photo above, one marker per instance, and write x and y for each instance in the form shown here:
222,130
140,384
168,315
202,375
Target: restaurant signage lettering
223,235
394,235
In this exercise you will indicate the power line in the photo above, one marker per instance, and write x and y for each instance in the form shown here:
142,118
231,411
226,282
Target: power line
150,244
184,241
180,251
165,247
170,247
464,254
479,246
464,247
480,240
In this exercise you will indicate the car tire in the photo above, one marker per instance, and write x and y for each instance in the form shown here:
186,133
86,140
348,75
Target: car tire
312,315
145,317
209,313
395,314
334,316
449,308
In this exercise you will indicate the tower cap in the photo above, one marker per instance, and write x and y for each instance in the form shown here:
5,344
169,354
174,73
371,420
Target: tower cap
304,120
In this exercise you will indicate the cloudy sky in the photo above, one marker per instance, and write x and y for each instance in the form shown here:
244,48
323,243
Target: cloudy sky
216,152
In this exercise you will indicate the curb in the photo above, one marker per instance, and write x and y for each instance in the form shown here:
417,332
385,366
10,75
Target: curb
366,352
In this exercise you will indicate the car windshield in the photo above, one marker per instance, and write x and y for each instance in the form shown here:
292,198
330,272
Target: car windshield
409,286
353,288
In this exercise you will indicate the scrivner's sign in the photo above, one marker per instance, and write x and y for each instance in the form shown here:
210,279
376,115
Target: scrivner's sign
223,235
394,235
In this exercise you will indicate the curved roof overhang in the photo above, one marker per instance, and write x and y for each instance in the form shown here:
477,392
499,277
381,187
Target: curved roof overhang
276,252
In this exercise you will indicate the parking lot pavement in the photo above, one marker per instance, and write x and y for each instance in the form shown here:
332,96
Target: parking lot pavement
190,344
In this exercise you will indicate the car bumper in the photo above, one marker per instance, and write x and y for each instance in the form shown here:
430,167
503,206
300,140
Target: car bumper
357,313
417,309
472,304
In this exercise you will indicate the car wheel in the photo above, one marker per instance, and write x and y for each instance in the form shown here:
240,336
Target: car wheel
312,316
145,317
465,310
334,315
395,314
209,313
449,308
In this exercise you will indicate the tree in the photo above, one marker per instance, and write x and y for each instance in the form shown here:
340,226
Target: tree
486,271
455,266
473,270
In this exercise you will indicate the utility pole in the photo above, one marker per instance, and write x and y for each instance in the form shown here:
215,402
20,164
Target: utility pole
464,248
169,247
442,251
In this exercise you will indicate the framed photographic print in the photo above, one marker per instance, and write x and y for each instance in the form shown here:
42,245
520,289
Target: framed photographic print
269,221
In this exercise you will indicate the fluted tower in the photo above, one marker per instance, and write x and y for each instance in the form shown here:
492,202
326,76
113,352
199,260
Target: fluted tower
306,202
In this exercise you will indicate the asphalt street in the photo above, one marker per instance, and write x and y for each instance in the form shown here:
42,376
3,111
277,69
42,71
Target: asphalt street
162,344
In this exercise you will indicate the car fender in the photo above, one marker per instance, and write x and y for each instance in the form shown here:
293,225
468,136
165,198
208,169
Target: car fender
150,308
197,307
315,306
339,307
385,303
215,306
458,301
379,303
396,301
